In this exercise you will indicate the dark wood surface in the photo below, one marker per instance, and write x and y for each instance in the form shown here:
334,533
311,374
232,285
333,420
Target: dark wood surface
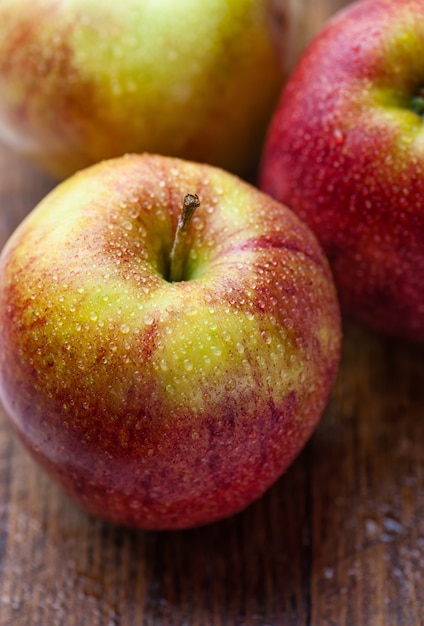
338,540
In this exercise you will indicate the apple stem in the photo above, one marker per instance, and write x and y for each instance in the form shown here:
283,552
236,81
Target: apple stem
191,203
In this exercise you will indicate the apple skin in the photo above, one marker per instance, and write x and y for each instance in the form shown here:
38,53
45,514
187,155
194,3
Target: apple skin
345,151
157,404
86,80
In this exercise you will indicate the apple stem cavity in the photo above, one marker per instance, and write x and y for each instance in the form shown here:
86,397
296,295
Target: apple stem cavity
417,104
177,256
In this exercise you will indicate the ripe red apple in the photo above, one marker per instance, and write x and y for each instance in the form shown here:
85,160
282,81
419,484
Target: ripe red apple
164,385
85,80
345,150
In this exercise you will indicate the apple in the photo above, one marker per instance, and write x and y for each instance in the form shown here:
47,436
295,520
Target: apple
165,372
86,80
345,151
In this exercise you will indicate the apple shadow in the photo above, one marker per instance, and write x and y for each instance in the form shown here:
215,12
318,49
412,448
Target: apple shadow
249,569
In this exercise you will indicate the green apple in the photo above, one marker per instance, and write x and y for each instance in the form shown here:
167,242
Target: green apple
86,80
165,376
345,150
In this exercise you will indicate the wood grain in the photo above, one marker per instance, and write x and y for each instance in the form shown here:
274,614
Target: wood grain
339,540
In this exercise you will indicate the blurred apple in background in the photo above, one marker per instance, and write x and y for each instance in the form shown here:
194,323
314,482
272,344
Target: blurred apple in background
164,384
84,80
345,150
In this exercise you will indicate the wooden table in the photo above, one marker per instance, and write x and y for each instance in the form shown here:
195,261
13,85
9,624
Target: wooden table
338,540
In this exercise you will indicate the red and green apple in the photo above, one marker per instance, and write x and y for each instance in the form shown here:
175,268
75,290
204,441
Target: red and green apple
86,80
165,372
345,151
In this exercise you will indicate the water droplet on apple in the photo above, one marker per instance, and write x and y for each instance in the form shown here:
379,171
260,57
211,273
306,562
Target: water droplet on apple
338,135
266,337
93,316
134,212
198,223
116,88
217,350
125,329
188,365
